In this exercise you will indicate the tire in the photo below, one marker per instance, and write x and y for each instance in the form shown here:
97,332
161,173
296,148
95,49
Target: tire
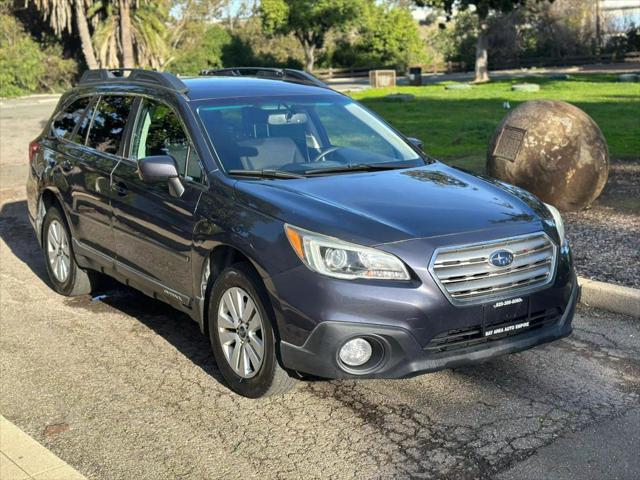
236,338
65,276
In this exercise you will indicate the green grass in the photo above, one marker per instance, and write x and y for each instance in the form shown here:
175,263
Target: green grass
456,125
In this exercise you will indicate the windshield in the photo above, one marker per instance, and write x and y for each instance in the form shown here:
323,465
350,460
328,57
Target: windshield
301,134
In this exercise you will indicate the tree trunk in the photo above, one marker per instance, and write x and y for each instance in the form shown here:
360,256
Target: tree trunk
85,36
482,55
125,34
309,56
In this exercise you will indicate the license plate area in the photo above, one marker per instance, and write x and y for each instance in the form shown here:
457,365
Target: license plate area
505,317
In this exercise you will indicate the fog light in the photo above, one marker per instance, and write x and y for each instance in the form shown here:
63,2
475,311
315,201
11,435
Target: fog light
356,352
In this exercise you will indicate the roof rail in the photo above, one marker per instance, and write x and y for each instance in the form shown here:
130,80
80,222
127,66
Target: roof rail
284,74
136,75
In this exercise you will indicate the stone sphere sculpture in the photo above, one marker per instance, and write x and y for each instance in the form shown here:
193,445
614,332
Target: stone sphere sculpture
554,150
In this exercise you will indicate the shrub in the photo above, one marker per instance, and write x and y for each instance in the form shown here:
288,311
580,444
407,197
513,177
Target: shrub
25,67
21,61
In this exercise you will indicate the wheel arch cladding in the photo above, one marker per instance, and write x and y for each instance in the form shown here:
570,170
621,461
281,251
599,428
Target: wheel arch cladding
221,257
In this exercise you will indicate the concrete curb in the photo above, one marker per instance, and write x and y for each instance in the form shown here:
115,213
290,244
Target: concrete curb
22,458
607,296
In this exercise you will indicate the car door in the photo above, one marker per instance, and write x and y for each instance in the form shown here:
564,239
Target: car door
87,158
91,156
153,229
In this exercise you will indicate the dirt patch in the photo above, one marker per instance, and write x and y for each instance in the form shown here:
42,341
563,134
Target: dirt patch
606,236
55,429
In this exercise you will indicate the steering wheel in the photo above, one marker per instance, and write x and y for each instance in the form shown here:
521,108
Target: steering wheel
324,153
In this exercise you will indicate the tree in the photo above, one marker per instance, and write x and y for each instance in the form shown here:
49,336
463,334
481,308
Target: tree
85,36
385,35
482,9
126,38
132,33
204,53
309,20
60,15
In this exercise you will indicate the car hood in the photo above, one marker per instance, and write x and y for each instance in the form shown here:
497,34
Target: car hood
390,206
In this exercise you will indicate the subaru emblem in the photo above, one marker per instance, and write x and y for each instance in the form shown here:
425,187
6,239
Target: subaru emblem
501,258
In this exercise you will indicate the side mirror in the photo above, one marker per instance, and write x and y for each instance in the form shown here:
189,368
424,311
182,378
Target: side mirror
417,142
159,169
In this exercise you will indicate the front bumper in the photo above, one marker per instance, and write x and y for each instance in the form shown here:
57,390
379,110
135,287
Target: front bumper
403,354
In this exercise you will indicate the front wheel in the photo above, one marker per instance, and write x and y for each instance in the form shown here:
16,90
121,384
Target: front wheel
242,336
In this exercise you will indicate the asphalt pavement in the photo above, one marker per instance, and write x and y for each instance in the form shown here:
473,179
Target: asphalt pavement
121,386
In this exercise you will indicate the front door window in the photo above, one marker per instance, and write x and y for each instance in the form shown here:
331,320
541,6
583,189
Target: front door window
159,131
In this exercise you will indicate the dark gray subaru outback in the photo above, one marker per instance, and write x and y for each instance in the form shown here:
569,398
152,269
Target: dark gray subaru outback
305,235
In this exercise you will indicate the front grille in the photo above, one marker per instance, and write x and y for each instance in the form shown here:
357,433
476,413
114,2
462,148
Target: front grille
472,336
465,275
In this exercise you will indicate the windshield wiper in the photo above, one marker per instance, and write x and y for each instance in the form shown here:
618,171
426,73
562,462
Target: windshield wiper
356,167
267,173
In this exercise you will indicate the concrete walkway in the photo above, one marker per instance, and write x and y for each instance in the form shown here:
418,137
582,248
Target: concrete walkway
21,457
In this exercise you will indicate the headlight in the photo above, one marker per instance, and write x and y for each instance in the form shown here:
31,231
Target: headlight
339,259
557,219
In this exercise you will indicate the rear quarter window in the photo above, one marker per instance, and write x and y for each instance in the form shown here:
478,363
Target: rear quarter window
65,122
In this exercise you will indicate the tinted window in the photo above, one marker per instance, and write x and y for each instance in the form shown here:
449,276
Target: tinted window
66,121
160,132
109,122
194,170
81,132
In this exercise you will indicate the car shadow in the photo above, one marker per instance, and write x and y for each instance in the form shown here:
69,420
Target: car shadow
174,326
18,235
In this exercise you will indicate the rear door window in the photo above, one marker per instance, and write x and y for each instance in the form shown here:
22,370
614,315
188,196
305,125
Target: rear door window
109,122
65,122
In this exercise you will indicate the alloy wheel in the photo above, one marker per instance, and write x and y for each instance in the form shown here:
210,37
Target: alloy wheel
240,331
58,251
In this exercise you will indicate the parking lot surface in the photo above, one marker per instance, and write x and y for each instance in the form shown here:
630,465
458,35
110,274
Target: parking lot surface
121,386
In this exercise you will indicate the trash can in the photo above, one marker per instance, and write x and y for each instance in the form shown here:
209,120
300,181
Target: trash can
415,76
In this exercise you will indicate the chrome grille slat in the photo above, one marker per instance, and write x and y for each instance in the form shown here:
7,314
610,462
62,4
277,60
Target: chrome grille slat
492,276
478,269
465,275
494,291
483,251
492,282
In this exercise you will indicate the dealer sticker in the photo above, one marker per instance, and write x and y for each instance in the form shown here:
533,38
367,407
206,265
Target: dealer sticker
508,328
505,303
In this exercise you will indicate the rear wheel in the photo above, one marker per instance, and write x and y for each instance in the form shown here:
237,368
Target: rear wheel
242,336
66,277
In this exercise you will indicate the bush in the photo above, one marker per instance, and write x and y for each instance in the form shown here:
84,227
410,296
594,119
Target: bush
25,67
21,61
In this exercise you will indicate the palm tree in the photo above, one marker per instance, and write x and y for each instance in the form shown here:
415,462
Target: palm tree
82,26
134,31
60,14
126,38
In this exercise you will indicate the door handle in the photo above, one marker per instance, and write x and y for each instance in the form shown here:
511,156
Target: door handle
120,188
